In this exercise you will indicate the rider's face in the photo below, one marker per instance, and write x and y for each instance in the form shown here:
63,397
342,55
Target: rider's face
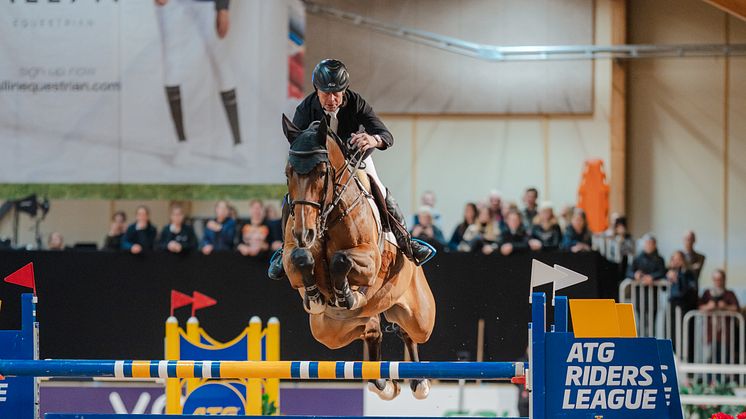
331,101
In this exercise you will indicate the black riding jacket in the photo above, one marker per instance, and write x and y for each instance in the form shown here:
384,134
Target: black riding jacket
354,112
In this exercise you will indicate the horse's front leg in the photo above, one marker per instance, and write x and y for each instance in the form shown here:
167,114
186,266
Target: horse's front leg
340,266
302,260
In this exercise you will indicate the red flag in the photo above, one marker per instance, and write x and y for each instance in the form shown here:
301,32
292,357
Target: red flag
179,299
201,301
23,277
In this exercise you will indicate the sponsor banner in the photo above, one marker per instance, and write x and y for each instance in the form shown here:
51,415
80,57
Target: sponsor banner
146,91
611,378
150,399
448,399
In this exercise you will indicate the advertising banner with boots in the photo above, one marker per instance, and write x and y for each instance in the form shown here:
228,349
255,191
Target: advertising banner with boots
147,91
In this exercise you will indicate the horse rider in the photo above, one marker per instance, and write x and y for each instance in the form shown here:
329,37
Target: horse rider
345,111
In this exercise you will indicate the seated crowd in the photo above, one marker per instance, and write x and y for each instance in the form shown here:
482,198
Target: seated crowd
257,234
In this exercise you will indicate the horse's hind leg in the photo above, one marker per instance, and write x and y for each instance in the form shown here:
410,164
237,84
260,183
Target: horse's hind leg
420,388
385,389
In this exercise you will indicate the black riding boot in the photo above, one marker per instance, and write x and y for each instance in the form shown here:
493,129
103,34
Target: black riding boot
276,271
231,111
173,93
413,249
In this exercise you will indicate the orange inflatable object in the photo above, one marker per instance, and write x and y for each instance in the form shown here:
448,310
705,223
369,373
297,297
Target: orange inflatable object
593,195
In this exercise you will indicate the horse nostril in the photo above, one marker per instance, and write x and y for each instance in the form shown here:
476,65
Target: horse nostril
309,236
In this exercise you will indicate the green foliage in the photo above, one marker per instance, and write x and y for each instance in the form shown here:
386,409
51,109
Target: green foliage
141,191
706,411
268,407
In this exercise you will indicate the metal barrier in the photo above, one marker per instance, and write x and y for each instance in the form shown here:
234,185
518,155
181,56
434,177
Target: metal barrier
652,309
718,341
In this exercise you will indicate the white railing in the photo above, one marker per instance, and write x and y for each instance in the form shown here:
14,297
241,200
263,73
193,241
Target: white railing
651,307
717,341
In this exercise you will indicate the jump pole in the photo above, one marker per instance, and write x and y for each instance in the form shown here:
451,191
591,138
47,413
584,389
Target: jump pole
283,370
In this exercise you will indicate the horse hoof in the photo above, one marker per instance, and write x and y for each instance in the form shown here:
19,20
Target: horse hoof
420,389
388,389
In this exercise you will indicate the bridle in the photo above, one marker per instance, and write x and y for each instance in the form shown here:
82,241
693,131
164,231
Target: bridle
332,176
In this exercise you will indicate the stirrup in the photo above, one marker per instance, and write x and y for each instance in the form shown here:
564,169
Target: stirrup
429,246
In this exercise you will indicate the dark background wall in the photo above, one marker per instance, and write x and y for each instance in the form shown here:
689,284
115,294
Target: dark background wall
114,305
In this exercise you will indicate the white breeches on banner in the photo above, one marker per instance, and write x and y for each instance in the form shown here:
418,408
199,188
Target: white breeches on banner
185,23
370,169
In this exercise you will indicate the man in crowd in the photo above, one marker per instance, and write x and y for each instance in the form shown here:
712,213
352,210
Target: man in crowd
220,232
531,207
56,241
177,236
140,235
648,265
693,258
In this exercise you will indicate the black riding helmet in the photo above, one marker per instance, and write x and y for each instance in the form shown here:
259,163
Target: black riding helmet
330,76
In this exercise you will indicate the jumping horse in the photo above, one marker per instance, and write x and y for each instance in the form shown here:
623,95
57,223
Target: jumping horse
335,255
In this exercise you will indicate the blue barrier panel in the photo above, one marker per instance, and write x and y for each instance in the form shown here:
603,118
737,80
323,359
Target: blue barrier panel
18,395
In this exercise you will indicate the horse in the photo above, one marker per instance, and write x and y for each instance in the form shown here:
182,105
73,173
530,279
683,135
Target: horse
335,256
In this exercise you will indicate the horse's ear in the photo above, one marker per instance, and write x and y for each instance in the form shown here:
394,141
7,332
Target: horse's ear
290,130
322,132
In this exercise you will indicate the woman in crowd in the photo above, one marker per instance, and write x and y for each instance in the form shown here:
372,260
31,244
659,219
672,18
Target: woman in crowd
113,240
470,217
513,236
256,235
140,235
683,291
483,235
577,236
545,233
177,236
220,232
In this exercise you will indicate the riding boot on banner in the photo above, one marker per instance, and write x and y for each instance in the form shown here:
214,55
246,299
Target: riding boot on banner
276,271
417,251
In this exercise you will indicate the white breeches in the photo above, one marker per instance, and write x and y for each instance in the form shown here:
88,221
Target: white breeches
370,169
184,25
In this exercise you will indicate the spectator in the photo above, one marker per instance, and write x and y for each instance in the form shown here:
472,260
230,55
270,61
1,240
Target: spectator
565,217
496,206
220,232
56,241
470,217
618,247
483,235
718,298
693,258
427,231
177,236
545,233
683,286
530,207
274,221
118,226
648,265
513,236
232,212
140,235
428,200
577,237
256,236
